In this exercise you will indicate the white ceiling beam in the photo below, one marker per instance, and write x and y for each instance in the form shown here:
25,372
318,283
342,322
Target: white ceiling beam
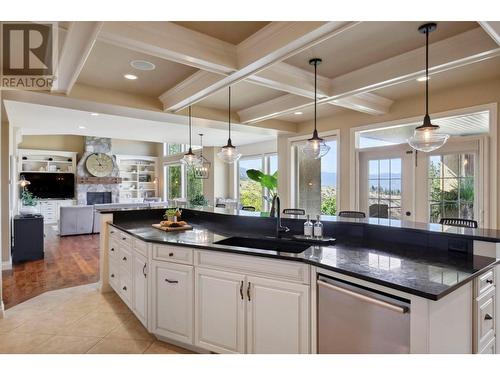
457,51
80,39
366,103
492,28
172,42
270,45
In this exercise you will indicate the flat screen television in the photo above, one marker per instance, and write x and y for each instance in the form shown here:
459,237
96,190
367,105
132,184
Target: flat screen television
50,185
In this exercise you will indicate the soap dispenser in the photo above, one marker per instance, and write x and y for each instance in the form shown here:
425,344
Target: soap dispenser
318,228
308,228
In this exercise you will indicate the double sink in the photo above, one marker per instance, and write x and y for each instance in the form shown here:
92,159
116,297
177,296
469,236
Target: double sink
274,244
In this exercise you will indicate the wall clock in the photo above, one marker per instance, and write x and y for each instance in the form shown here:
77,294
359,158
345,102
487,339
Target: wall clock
99,165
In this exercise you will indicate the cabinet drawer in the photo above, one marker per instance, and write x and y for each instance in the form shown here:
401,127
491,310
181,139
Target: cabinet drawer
141,247
489,348
126,289
247,264
485,282
174,254
485,319
125,261
121,237
114,279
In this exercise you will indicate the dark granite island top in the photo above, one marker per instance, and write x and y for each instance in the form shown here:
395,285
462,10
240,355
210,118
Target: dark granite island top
419,270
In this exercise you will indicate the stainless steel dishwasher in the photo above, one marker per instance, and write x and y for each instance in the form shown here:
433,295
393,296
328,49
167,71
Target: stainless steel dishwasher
353,319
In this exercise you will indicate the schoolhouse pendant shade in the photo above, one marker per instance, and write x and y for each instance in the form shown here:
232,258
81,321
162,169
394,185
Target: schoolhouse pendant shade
426,137
315,147
229,153
190,159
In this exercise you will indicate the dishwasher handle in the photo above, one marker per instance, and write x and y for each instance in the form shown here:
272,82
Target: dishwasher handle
365,298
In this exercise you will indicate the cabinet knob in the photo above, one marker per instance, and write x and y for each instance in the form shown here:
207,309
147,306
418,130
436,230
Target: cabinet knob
124,259
124,238
112,275
112,232
170,254
171,281
124,288
112,249
488,281
488,317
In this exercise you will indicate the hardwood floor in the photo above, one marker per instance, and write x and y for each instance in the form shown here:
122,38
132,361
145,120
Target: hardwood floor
69,261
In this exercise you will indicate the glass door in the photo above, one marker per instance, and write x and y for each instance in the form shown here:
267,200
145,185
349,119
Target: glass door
386,182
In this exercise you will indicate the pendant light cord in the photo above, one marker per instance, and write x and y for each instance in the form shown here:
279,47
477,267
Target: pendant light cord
229,113
427,71
190,128
315,91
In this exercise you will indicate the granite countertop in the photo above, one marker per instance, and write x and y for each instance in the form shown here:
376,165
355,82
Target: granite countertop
481,234
415,270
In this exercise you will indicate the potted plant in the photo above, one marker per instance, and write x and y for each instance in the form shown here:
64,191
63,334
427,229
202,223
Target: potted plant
199,200
270,183
29,203
172,214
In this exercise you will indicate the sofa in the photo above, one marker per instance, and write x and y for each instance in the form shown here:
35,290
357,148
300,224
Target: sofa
75,220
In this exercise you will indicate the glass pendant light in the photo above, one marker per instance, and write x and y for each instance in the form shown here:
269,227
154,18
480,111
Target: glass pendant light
316,147
229,153
202,169
190,159
427,137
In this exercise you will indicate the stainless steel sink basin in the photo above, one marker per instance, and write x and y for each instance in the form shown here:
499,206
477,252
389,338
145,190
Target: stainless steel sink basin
281,245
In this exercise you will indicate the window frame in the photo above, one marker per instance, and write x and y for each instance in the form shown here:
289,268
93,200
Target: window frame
265,167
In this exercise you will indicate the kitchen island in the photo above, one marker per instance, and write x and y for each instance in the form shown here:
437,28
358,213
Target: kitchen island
191,289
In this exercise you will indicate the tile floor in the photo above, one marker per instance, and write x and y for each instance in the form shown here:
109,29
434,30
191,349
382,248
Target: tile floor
75,321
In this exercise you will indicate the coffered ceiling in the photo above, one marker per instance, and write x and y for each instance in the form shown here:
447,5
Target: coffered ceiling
367,66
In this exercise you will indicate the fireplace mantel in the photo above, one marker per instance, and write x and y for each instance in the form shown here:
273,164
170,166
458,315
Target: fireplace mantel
99,180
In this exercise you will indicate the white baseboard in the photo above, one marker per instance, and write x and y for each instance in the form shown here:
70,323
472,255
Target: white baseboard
7,265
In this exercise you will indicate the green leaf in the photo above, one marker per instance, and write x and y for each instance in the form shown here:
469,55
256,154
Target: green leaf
255,175
269,182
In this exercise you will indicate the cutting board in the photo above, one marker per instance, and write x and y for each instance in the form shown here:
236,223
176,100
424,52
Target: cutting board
172,229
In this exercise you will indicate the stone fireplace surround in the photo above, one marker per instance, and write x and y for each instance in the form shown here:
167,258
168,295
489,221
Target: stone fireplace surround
93,145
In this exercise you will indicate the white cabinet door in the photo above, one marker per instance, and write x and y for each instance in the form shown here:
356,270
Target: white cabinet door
278,316
140,279
173,301
219,311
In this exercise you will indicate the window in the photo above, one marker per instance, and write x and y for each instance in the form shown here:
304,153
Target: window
451,186
251,192
194,186
384,188
316,180
173,181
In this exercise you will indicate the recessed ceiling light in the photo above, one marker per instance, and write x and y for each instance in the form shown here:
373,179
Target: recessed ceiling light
81,127
94,114
422,79
298,113
130,76
142,65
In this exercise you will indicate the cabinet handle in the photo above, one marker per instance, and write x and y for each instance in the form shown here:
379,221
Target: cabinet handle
112,249
488,281
113,275
248,291
172,281
124,288
241,289
488,317
144,270
170,254
112,232
124,259
124,238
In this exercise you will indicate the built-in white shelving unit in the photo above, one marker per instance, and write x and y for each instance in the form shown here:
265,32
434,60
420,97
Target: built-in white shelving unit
139,177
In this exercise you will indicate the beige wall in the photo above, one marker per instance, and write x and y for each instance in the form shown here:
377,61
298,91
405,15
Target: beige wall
69,143
484,92
126,147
